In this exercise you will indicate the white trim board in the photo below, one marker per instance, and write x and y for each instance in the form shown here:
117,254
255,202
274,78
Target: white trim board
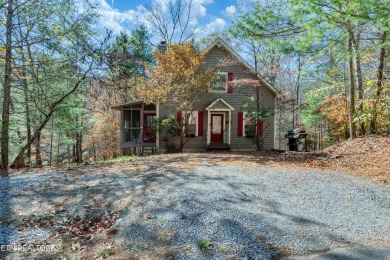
229,107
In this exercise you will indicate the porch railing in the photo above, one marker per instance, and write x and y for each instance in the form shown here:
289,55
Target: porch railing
139,135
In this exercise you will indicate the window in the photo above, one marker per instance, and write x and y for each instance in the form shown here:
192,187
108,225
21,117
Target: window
132,125
249,127
222,84
192,125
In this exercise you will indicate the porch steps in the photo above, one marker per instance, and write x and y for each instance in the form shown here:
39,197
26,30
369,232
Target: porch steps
217,146
147,151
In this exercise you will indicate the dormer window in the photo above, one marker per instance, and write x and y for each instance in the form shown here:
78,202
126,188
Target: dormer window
221,85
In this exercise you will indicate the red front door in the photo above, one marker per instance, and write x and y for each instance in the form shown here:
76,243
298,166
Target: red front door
149,131
217,128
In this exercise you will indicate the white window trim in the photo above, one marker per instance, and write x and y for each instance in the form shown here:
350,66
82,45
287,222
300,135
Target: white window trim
197,120
226,85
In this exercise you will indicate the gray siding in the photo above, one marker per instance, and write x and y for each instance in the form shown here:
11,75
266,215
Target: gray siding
235,99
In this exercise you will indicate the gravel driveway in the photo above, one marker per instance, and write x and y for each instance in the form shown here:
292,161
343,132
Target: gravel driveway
168,204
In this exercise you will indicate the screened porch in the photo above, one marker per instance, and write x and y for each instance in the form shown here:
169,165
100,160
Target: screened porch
138,128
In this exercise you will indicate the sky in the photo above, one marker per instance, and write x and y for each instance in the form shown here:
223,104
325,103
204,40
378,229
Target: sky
122,15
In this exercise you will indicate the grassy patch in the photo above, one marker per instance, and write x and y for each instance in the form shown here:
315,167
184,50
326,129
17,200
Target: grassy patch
205,244
223,249
106,252
101,254
136,248
119,159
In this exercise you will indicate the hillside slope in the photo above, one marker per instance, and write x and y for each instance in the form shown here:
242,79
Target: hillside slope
368,156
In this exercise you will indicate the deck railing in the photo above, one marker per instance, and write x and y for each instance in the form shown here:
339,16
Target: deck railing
139,135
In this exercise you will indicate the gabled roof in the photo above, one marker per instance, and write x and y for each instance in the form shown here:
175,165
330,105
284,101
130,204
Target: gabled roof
127,105
221,43
211,106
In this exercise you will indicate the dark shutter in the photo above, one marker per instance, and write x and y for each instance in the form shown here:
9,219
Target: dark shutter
200,123
240,123
179,123
260,128
230,82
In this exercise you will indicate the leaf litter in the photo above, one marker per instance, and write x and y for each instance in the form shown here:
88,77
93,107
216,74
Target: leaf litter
81,204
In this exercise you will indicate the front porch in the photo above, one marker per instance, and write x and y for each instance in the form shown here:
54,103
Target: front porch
219,125
218,147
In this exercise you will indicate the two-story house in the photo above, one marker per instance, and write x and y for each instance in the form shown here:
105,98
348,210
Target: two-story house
217,119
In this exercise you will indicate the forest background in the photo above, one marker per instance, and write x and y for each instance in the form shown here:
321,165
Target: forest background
61,74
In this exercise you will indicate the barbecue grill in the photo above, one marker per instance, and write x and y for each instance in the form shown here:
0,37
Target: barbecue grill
297,139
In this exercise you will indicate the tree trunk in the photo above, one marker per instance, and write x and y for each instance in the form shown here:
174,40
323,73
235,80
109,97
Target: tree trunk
74,156
28,122
80,141
379,84
7,91
259,143
181,146
296,113
356,44
79,149
38,157
352,125
58,148
23,73
68,153
93,148
51,143
293,113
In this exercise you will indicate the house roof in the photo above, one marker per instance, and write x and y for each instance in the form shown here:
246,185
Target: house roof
127,105
211,106
221,43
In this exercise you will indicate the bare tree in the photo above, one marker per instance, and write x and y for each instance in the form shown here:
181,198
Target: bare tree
173,20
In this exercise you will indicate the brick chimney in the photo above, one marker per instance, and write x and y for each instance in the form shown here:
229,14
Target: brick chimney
162,46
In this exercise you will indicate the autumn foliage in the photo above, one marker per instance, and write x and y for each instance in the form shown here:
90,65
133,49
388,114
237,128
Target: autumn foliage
102,138
175,82
177,79
332,111
335,109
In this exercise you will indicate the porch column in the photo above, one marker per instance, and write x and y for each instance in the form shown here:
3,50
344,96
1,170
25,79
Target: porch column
208,127
230,126
121,131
